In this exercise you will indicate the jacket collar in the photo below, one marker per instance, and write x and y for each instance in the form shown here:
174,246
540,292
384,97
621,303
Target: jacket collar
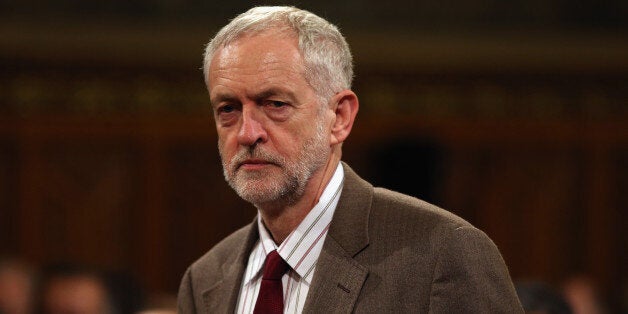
223,296
339,278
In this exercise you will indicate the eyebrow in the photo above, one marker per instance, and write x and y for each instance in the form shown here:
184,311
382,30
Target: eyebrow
221,97
273,91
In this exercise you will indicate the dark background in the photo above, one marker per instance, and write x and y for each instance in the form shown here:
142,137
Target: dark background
511,114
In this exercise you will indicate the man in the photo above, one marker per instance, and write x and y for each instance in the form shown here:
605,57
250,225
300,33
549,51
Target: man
74,289
70,288
324,241
17,287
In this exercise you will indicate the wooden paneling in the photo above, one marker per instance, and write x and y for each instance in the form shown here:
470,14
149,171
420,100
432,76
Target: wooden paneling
9,187
118,166
148,195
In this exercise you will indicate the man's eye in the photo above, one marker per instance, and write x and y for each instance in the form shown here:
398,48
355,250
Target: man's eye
277,104
226,109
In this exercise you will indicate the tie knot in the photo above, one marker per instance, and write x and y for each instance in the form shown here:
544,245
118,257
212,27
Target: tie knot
275,266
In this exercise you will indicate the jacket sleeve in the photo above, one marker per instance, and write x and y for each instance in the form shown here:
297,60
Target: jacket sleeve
185,297
470,276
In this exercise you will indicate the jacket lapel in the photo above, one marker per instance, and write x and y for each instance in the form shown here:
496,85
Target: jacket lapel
223,296
339,278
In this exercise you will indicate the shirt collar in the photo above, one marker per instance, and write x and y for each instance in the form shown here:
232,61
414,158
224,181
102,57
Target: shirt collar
303,245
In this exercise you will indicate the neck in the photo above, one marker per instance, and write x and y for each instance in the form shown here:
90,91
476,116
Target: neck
282,219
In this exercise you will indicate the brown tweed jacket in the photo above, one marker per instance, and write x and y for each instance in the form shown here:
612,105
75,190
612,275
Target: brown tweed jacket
385,253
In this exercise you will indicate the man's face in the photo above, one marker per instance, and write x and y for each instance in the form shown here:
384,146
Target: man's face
272,133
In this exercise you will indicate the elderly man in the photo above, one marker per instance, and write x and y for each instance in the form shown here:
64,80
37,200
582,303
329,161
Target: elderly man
324,241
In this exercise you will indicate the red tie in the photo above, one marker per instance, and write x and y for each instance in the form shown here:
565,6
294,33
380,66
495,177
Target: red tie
270,298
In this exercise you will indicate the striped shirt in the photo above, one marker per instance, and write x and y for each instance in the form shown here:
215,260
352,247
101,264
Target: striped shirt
300,250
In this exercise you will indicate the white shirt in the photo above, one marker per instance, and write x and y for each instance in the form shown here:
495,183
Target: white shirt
300,250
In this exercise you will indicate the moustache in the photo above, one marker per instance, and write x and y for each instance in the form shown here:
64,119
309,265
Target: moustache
258,153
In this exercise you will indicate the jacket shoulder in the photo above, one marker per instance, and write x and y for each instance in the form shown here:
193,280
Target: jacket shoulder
461,269
400,220
411,210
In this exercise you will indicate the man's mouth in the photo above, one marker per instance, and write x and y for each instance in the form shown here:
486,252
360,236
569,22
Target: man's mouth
253,164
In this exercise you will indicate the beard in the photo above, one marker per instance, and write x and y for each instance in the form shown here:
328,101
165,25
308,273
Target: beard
285,180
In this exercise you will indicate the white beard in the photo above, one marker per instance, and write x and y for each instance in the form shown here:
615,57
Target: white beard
268,186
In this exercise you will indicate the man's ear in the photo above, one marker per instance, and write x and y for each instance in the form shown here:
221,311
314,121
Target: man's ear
345,106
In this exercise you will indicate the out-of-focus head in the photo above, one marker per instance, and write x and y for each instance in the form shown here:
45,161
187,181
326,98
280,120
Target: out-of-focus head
539,298
76,294
17,285
68,288
325,52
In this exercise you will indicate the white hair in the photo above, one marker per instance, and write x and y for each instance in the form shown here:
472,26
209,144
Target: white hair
325,52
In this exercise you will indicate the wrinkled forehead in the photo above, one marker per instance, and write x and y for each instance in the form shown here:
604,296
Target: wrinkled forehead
258,52
272,32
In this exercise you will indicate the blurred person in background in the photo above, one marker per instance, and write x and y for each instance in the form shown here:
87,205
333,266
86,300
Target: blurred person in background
17,287
583,296
539,298
74,289
324,240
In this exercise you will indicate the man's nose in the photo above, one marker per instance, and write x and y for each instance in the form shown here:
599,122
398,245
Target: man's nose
252,129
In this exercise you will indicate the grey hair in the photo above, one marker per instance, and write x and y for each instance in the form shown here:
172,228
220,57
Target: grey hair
325,52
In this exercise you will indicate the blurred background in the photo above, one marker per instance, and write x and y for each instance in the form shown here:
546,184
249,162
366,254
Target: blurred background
511,114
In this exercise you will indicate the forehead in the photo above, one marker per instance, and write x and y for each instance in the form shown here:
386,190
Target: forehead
267,53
